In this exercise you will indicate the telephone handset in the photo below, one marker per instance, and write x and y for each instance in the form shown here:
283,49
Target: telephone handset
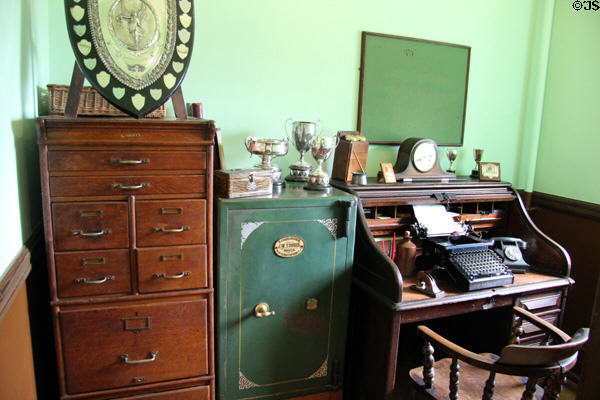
510,249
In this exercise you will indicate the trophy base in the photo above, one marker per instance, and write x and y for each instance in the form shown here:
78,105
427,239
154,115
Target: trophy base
320,188
475,174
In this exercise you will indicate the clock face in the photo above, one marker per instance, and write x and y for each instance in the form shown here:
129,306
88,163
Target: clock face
424,156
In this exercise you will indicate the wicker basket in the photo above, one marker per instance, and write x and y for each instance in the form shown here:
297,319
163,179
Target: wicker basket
90,103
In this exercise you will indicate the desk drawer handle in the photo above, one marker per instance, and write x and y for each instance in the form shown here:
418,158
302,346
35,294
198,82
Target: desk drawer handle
91,234
153,356
129,162
174,230
178,276
130,187
97,282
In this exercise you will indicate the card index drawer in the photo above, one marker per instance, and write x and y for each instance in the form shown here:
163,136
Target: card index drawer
94,225
90,273
170,222
171,268
135,344
126,160
61,186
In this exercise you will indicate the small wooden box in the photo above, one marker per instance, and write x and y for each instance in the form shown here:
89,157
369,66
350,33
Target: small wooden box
243,182
345,162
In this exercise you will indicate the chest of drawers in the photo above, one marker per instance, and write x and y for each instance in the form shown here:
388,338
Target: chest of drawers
127,217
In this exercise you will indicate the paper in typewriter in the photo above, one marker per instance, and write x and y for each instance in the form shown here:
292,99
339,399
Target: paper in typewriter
437,220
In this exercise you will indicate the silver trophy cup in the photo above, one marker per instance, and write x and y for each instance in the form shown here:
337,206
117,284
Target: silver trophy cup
321,149
302,135
268,149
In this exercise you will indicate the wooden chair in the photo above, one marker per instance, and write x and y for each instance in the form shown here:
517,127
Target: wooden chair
512,375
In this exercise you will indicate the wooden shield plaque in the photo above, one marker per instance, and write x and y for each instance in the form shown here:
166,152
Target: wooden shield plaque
133,52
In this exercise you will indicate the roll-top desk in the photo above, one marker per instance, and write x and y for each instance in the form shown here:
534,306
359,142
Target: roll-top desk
384,306
127,215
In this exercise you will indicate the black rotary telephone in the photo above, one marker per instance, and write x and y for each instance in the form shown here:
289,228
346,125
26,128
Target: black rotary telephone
511,250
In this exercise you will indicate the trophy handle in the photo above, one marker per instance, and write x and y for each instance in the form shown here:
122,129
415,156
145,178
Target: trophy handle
247,143
285,125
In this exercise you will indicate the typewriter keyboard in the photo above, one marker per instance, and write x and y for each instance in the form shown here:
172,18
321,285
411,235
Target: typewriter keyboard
478,263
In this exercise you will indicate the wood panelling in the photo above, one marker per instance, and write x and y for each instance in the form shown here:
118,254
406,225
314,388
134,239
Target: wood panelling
17,377
576,225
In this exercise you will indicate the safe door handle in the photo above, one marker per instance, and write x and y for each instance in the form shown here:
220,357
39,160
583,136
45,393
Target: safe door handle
91,234
174,230
96,282
262,311
153,356
178,276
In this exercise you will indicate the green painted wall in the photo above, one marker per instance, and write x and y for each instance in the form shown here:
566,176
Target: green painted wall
24,55
257,63
568,162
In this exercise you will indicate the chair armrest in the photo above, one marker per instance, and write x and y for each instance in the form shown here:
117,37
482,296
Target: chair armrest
455,350
540,323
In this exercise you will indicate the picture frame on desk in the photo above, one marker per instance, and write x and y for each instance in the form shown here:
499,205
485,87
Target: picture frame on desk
489,171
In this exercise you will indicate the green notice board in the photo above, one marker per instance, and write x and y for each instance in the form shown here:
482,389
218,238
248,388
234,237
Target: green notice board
412,88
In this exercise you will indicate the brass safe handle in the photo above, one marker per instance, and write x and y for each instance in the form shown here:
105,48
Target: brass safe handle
129,162
91,234
153,357
130,187
174,230
178,276
262,311
96,282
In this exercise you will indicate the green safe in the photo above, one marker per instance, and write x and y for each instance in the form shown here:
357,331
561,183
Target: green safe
283,275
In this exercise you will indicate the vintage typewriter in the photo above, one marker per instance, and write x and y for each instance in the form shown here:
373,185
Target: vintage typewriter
470,261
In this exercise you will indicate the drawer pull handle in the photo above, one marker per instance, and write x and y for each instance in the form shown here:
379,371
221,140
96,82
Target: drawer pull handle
91,234
173,257
129,162
174,230
97,282
262,311
94,261
130,187
178,276
153,356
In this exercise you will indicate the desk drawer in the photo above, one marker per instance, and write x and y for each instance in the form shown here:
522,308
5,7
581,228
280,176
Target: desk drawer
541,301
170,222
195,393
86,226
89,273
172,268
126,185
126,160
132,345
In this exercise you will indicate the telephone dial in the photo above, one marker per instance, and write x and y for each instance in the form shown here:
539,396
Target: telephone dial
510,249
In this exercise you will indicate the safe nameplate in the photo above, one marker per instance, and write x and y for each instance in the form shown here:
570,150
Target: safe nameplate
289,246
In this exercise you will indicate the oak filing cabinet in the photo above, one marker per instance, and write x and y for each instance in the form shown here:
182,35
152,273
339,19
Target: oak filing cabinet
284,270
127,215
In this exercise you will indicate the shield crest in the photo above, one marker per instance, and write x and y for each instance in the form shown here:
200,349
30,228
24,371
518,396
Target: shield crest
135,53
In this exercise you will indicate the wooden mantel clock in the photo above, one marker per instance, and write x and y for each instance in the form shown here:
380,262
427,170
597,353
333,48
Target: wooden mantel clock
418,160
